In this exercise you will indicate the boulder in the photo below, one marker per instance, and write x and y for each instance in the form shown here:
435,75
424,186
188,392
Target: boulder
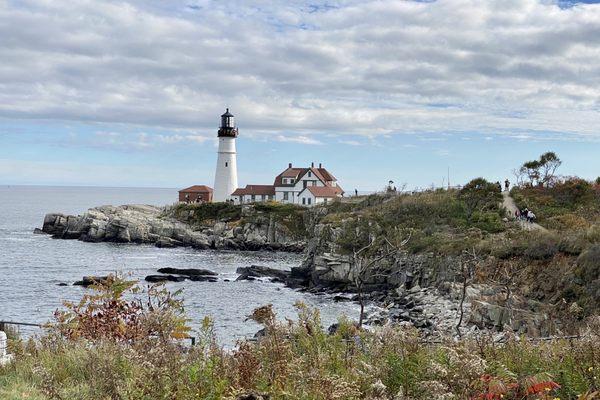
200,278
91,280
164,278
165,242
259,271
187,271
54,223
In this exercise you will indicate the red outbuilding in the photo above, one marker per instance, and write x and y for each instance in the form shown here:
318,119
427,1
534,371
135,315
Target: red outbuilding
196,194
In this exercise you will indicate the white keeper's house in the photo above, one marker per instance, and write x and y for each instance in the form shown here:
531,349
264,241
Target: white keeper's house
307,186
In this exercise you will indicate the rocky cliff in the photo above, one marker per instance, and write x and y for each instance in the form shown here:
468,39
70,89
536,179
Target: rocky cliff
424,289
162,227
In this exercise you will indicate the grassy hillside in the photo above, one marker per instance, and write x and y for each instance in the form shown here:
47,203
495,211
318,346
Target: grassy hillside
437,221
569,204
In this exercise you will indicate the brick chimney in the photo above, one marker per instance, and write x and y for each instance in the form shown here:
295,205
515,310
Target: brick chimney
290,165
312,164
320,165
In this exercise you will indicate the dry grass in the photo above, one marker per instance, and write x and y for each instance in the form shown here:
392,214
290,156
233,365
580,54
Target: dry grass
298,360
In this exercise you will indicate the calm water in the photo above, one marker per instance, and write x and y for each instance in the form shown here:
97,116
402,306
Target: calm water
32,266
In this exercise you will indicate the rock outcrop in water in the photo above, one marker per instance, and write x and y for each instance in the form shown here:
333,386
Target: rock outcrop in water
154,225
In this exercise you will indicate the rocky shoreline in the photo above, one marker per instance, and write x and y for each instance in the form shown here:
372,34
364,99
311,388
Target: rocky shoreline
421,289
150,225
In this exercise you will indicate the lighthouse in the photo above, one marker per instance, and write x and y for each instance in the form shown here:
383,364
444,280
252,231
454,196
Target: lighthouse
226,174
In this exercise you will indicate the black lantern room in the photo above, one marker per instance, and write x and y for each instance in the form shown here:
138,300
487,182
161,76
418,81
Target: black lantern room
228,128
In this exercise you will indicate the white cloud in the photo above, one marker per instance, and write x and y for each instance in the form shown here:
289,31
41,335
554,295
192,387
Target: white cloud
140,140
351,142
362,67
297,139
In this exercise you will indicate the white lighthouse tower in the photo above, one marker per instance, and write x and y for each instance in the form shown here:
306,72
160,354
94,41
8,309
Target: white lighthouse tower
226,174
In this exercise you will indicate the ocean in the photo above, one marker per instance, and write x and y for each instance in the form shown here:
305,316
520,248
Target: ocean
32,266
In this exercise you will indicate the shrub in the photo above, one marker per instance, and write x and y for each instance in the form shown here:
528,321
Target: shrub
201,213
488,221
541,247
108,315
572,192
569,221
480,195
573,244
589,264
593,234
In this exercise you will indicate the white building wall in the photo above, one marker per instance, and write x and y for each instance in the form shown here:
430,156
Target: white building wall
293,191
226,181
312,180
306,199
305,196
292,194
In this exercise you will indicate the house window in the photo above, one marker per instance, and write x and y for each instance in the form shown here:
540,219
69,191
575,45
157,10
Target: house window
285,196
325,201
226,163
309,174
253,198
303,200
309,201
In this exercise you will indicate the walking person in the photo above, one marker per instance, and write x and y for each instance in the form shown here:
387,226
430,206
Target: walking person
355,192
517,214
524,213
506,185
530,217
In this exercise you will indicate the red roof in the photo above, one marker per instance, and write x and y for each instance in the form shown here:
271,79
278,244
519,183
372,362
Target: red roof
256,190
324,191
326,174
197,189
297,173
288,173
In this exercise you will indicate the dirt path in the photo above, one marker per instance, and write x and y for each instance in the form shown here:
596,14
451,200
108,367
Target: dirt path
511,207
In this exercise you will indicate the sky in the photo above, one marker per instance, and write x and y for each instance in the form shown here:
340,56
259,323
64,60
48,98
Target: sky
129,93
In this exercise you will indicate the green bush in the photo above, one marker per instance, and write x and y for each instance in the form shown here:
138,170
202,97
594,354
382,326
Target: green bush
589,264
489,221
541,247
593,234
202,213
573,244
568,204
